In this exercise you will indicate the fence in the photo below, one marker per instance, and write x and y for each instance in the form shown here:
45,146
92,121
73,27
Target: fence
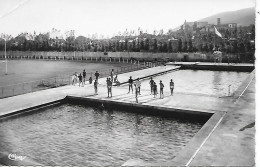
62,80
247,57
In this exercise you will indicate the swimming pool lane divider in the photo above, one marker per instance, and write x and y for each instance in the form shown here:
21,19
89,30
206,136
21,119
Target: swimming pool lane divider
153,75
215,67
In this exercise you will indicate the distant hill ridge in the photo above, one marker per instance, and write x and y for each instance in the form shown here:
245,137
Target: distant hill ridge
243,17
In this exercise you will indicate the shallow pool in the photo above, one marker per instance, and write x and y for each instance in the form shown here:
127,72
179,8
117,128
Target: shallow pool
212,83
78,135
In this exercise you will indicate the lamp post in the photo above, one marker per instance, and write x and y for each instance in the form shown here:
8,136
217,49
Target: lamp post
5,37
5,59
73,32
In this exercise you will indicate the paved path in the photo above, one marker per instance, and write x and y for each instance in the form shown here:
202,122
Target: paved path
233,141
228,142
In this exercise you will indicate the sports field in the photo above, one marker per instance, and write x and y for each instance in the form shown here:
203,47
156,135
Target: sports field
20,71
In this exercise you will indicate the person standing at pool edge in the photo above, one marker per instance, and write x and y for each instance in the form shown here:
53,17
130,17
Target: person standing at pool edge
109,87
136,93
90,80
97,75
84,76
130,81
161,90
155,89
80,79
73,78
95,87
171,87
116,81
138,84
151,84
112,75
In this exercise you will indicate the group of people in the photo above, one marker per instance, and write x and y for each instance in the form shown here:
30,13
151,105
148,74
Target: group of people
81,78
110,80
153,87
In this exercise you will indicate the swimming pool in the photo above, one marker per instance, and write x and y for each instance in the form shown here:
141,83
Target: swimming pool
202,82
69,134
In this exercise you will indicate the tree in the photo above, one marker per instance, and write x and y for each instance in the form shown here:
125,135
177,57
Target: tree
252,31
190,46
155,45
211,47
122,46
241,47
164,47
160,48
185,46
248,46
89,46
117,46
194,49
200,48
138,45
133,46
102,47
110,46
235,46
126,45
205,48
179,45
228,47
142,45
146,44
227,34
95,48
170,46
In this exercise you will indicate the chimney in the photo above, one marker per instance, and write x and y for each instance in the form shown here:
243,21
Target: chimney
218,21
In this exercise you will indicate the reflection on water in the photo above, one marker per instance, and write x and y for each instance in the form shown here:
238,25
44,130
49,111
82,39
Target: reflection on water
214,83
79,135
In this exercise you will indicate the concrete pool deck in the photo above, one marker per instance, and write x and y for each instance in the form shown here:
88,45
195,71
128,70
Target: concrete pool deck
12,105
226,139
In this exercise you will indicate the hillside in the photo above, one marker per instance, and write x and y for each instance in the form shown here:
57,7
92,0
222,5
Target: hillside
243,17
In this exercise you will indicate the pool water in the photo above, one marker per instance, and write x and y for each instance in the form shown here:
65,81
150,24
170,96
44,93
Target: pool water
79,135
202,82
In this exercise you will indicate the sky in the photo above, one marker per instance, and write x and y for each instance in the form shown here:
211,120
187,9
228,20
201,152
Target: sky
107,17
